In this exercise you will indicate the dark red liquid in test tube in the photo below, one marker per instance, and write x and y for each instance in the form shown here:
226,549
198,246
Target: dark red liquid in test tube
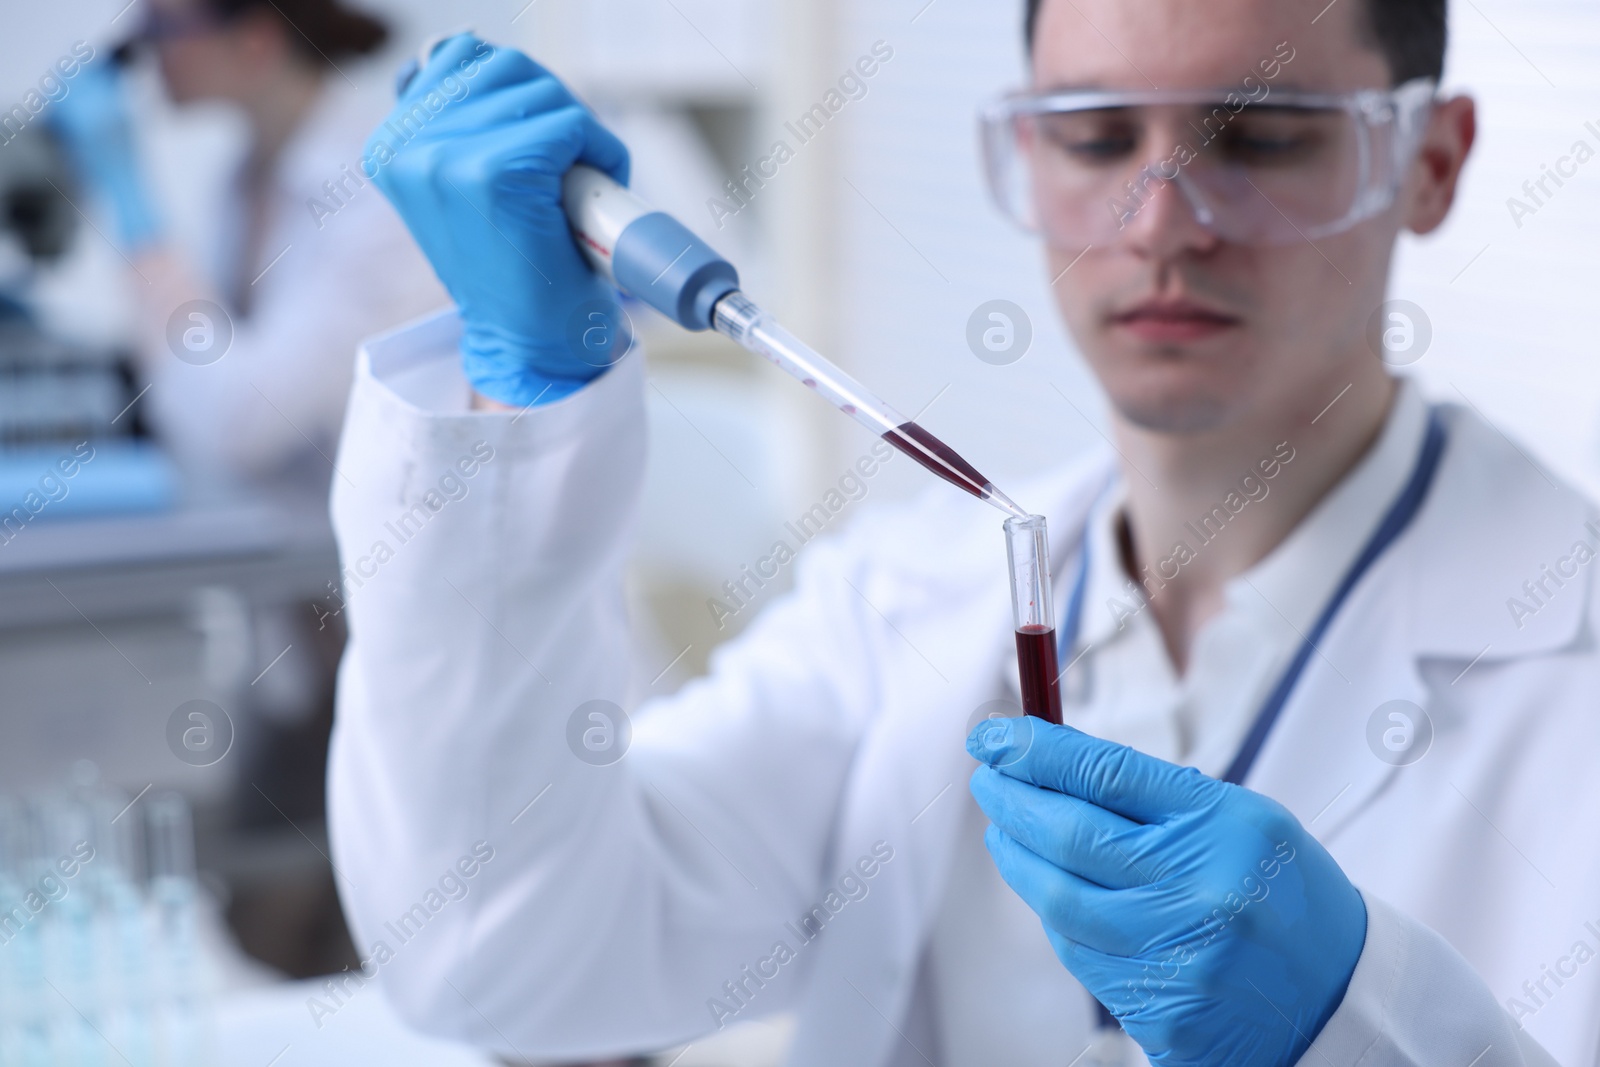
1040,672
1028,552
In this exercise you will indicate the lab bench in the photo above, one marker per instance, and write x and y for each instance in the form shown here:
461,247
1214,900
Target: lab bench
110,623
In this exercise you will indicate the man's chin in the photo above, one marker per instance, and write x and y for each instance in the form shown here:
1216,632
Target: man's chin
1190,389
1171,412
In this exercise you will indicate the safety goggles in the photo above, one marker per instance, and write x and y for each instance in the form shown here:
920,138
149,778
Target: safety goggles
1261,169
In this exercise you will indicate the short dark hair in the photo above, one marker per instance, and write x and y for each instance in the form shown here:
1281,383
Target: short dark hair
320,31
1411,34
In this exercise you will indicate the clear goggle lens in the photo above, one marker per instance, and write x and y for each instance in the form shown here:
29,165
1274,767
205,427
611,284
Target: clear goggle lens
1079,167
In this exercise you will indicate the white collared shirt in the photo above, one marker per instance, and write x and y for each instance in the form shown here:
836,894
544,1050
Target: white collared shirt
998,993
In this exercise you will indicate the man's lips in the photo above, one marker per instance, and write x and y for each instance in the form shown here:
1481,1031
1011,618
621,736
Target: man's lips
1173,320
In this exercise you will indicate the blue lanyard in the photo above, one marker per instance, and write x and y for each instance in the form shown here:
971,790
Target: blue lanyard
1399,516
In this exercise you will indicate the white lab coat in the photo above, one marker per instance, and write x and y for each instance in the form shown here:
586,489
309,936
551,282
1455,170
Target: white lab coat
621,899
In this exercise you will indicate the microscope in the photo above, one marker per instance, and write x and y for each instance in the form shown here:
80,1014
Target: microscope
60,397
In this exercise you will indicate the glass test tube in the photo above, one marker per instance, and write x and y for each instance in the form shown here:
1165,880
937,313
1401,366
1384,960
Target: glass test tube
1028,549
184,1023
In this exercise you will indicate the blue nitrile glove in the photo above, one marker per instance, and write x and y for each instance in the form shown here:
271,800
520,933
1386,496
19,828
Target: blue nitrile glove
92,123
473,157
1203,915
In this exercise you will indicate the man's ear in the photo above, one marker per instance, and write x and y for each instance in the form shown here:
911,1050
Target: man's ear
1452,128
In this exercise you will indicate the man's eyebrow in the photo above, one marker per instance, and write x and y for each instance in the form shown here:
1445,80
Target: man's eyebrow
1073,87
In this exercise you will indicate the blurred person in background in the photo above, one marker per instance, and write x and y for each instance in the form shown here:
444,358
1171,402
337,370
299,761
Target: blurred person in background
268,410
303,260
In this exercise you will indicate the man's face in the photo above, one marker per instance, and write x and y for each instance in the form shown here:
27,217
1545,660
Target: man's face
1189,333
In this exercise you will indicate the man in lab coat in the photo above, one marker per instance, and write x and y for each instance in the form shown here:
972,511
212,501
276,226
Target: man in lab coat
1292,573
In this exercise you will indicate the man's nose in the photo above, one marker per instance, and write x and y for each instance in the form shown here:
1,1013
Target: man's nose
1158,219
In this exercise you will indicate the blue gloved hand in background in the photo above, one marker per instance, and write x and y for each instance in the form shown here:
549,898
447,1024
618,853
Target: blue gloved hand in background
489,136
92,122
1201,914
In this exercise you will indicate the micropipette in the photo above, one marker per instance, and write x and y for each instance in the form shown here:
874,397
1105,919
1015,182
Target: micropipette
654,258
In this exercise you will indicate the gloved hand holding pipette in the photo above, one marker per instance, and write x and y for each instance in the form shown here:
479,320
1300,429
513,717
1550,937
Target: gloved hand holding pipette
93,124
484,190
479,186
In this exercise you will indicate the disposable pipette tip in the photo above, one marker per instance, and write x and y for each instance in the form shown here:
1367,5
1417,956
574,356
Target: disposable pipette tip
1001,501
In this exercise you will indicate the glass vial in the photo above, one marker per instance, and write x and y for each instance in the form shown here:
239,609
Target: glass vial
1028,549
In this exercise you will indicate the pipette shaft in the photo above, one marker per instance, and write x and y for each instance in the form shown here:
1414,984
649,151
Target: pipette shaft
655,259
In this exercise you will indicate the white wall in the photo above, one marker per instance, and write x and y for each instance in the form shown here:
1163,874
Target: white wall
923,247
1514,330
